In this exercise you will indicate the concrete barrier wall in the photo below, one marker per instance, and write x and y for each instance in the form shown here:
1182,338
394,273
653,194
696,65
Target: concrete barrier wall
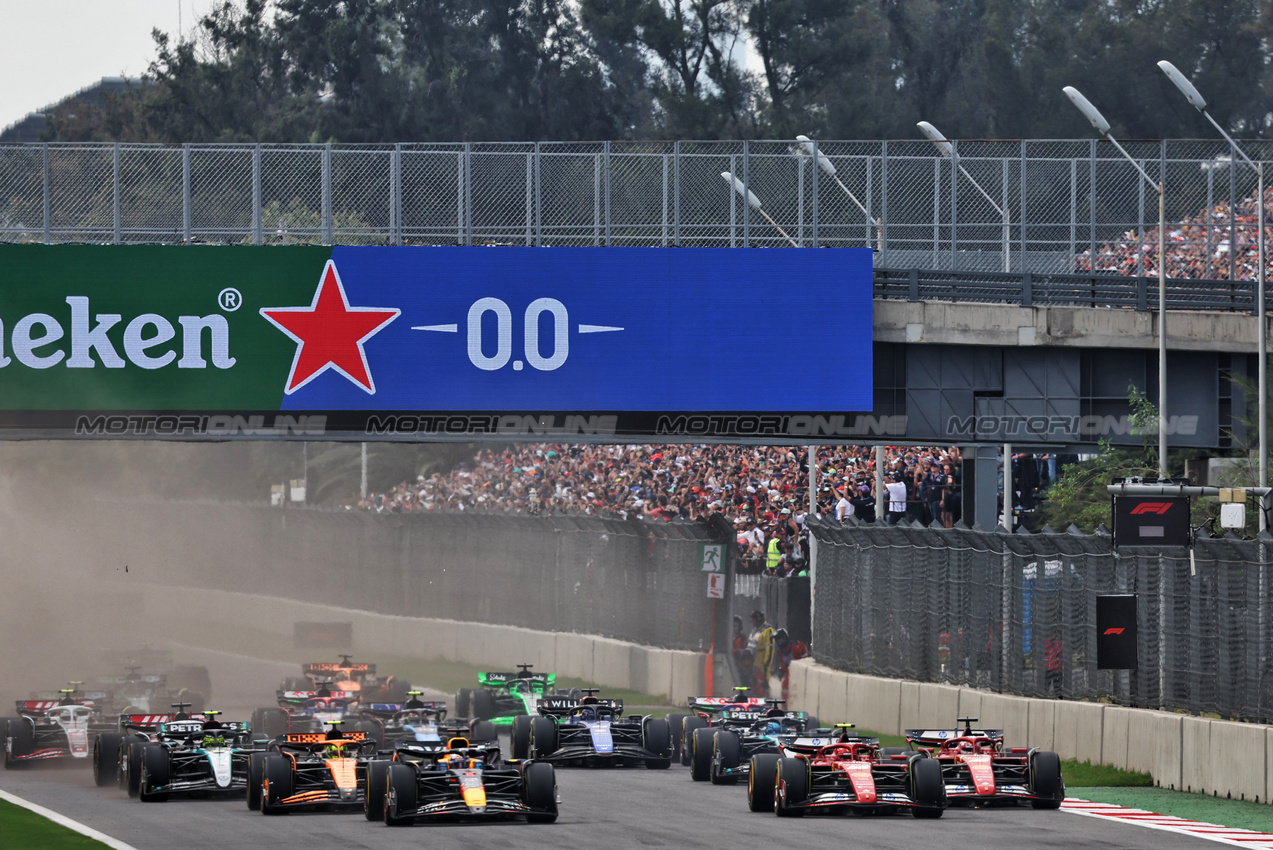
675,674
1215,757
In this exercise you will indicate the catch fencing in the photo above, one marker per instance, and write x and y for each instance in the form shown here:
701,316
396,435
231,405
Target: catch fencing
632,580
1016,613
1039,206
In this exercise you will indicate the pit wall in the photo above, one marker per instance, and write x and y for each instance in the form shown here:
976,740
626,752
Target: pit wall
604,661
1215,757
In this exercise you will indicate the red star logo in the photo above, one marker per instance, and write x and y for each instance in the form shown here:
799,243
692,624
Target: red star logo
330,333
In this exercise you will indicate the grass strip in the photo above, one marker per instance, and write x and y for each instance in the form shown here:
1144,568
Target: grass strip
22,829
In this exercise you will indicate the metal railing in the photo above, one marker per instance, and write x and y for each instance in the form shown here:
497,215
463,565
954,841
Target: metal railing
1016,613
1065,202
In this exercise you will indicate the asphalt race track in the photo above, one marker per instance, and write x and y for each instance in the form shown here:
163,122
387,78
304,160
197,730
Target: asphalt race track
599,808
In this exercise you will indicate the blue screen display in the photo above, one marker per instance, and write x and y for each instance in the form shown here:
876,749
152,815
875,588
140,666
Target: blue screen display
604,329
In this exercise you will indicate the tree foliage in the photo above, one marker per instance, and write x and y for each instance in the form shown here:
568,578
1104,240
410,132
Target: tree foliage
562,70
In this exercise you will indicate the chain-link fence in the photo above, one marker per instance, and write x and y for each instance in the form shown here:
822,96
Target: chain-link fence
993,206
631,580
1016,613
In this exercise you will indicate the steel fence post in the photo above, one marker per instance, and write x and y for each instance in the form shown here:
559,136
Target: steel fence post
1074,202
1091,201
954,204
530,198
539,203
800,199
256,195
47,200
607,190
1007,223
746,191
814,200
733,208
936,213
115,194
884,204
395,188
676,193
327,193
596,199
1021,217
185,193
663,206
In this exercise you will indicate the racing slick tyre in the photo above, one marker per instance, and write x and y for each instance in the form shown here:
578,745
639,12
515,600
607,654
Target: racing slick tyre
521,737
482,731
373,798
401,793
106,758
675,720
701,754
760,782
812,723
887,753
792,788
22,734
132,766
483,703
462,702
726,754
277,783
256,775
156,772
658,740
927,788
1046,781
687,737
539,785
543,737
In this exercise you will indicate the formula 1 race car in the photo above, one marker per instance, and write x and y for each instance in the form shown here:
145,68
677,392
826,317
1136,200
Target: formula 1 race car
977,769
358,679
504,696
741,734
423,722
461,782
302,712
195,757
315,770
111,750
592,731
844,772
45,730
710,712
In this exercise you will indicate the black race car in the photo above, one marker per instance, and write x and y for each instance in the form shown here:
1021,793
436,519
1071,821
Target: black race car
592,731
741,734
461,782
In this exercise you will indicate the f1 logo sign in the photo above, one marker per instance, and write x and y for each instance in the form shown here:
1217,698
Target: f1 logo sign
1151,508
1113,631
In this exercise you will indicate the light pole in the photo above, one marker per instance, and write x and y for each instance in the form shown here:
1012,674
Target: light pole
943,145
1093,115
754,202
1191,94
808,147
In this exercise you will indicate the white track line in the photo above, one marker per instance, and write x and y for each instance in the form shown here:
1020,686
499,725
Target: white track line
66,822
1170,823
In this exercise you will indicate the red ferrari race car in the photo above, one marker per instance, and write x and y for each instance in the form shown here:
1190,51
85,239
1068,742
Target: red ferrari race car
841,773
977,769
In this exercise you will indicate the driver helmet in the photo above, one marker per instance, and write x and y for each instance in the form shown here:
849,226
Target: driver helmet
333,750
588,713
773,727
213,739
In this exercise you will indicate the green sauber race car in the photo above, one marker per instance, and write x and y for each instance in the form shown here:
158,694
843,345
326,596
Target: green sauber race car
503,696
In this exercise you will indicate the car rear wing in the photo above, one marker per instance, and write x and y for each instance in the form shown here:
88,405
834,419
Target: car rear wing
297,697
811,744
149,722
35,706
937,737
498,679
389,709
323,668
713,705
306,739
564,706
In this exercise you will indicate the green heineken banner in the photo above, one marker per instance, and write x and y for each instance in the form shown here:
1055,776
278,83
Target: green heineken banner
192,342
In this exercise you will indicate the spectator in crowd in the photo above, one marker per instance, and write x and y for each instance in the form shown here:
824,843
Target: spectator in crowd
764,659
787,651
896,499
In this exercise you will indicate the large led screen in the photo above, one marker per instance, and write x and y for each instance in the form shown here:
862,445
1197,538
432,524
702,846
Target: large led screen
190,342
